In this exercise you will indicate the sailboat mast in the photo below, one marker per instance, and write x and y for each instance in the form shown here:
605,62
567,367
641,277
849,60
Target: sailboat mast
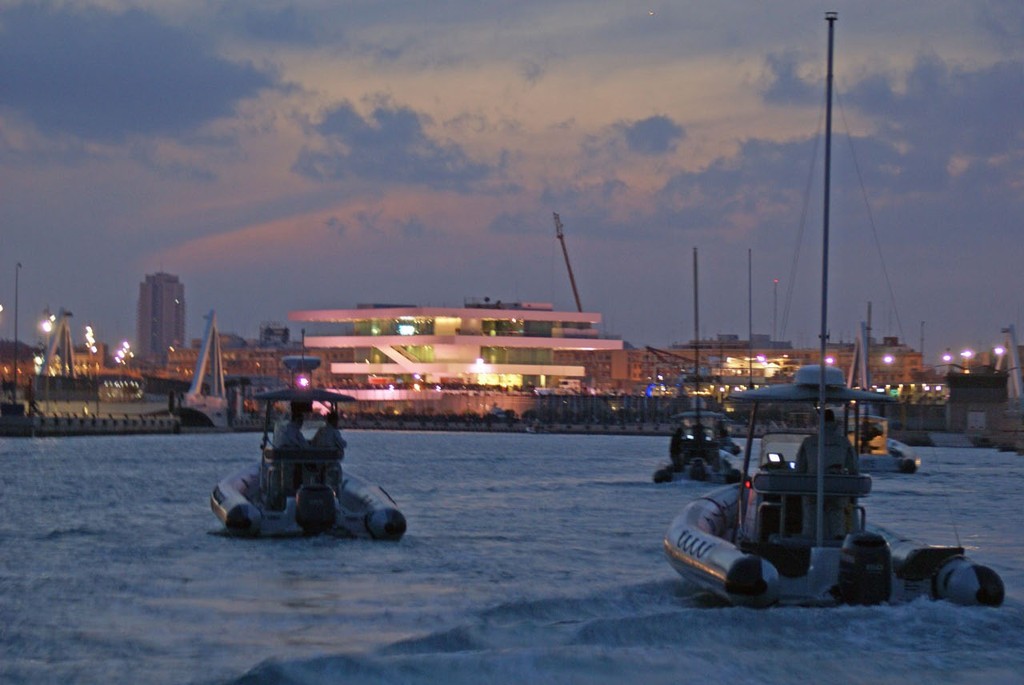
696,341
830,17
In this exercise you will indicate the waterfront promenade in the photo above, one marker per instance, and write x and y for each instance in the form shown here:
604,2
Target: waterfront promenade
134,418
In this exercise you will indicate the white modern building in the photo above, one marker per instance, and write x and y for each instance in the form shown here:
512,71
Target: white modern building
491,343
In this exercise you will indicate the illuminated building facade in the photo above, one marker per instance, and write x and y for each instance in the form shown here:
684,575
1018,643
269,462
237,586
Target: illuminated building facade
483,343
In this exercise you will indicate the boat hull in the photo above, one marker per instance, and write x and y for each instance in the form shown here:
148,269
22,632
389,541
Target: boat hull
899,458
697,469
869,567
357,510
698,548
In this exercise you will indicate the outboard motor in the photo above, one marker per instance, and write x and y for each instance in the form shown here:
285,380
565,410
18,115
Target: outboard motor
865,569
698,470
314,508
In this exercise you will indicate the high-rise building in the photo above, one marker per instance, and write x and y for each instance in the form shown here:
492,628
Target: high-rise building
161,316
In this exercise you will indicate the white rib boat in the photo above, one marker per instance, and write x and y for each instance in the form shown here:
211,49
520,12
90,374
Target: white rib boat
748,543
293,491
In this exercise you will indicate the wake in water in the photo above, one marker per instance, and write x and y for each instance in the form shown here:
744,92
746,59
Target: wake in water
665,632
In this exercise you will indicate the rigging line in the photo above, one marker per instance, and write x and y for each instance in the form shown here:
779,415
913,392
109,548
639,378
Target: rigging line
871,218
945,495
791,284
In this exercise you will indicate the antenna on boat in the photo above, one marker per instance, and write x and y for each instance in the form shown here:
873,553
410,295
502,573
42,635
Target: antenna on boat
830,17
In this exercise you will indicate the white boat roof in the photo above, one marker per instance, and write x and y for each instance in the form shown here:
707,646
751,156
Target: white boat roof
805,388
304,395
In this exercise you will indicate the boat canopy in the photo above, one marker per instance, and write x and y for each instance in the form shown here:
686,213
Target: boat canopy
303,395
805,388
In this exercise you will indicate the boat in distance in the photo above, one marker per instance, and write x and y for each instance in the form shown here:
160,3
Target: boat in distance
298,487
700,450
878,452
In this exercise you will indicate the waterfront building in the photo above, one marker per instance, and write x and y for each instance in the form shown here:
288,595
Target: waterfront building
161,316
502,345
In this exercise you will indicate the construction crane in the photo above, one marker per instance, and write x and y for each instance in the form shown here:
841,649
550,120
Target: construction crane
568,266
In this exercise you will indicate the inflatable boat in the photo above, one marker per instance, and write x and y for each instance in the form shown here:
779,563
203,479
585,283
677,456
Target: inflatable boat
700,450
301,488
790,537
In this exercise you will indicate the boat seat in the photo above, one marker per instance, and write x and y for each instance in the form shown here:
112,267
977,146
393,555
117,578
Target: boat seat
779,515
292,454
792,558
788,483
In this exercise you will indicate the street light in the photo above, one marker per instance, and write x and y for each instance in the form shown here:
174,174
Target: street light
967,354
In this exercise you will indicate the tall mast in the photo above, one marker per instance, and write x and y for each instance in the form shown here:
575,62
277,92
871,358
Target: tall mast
830,17
696,342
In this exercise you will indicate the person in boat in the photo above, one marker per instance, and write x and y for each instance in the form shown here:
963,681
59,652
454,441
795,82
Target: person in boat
675,449
868,432
839,458
329,435
292,435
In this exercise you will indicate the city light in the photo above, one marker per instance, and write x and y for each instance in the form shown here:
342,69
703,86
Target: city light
888,359
124,353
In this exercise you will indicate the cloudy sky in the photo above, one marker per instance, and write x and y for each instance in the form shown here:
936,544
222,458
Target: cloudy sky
296,155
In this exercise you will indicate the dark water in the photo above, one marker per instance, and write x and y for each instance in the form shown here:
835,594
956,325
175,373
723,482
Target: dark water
529,558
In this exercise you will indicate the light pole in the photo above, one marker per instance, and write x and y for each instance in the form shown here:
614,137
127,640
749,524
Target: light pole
775,305
967,354
17,273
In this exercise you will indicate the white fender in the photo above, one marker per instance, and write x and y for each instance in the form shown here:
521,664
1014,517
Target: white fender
963,582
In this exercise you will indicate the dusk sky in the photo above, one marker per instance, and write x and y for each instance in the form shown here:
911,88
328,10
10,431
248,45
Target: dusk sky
319,154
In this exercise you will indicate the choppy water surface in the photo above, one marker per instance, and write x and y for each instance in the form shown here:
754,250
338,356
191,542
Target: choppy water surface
529,558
